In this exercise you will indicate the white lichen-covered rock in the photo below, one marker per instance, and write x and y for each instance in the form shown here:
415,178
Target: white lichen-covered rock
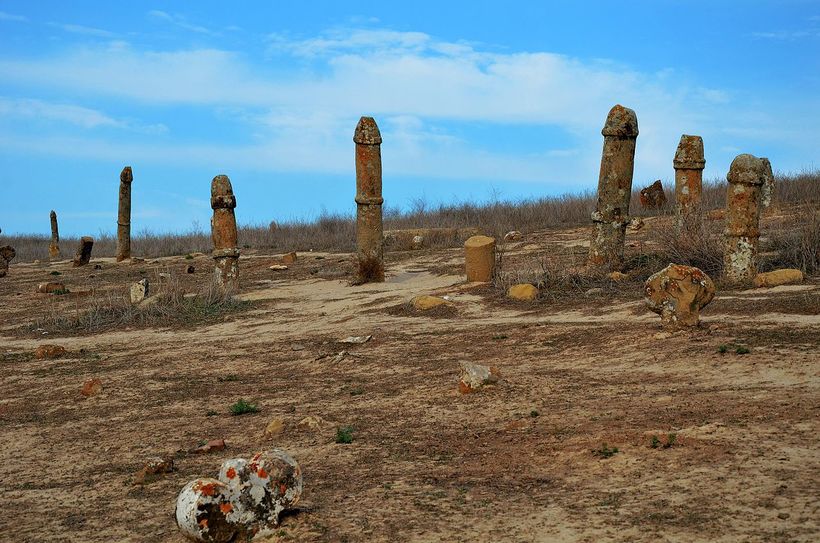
247,499
139,291
475,376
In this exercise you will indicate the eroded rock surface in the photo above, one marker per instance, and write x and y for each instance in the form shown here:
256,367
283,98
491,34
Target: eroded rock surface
677,293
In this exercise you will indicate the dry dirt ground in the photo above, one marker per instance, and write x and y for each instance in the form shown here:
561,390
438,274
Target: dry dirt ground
520,461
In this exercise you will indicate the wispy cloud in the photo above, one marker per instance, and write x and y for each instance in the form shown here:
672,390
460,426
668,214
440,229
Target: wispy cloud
11,17
83,30
179,21
787,35
33,109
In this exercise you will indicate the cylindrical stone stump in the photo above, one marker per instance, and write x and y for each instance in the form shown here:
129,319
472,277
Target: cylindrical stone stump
54,246
124,215
223,233
479,258
83,255
689,163
611,216
767,190
369,229
746,177
7,254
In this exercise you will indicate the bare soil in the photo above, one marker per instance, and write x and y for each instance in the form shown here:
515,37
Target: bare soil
520,461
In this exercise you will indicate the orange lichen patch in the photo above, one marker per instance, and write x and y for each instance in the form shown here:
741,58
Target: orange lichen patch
203,523
464,388
225,508
262,473
231,473
208,489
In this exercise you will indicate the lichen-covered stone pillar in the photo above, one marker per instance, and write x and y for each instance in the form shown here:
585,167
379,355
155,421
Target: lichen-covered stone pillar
767,190
369,232
83,255
124,216
54,246
689,163
746,177
223,233
606,250
7,254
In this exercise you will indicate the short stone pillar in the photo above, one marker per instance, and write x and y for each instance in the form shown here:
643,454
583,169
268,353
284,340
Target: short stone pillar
223,233
124,215
369,230
689,163
54,246
767,190
7,254
83,254
610,218
479,258
746,177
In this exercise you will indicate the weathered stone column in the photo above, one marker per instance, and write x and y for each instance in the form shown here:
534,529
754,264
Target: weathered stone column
369,242
223,233
83,251
767,190
7,254
689,163
479,258
746,177
124,216
54,246
606,250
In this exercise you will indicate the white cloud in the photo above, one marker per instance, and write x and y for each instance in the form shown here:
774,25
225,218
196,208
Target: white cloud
83,30
11,17
179,21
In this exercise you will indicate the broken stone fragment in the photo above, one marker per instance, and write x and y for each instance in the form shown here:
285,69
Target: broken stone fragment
91,387
653,196
154,466
245,500
212,445
423,303
513,235
479,258
50,288
47,352
617,276
139,291
417,243
289,258
83,254
524,292
677,293
311,423
7,254
278,267
636,223
778,277
475,376
275,427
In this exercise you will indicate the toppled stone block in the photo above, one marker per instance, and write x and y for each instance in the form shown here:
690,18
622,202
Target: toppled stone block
311,423
154,467
210,446
524,292
91,387
139,291
475,376
245,500
677,293
7,254
275,427
653,196
48,352
778,277
479,258
513,235
83,255
289,258
423,303
51,288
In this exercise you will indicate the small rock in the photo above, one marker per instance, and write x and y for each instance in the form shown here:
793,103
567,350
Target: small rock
423,303
475,376
50,288
190,269
778,277
212,445
636,223
783,516
617,276
289,258
97,266
661,335
418,242
517,425
594,291
356,339
135,260
277,267
275,427
677,293
311,423
164,275
48,352
91,387
524,292
139,291
513,235
716,214
155,466
36,261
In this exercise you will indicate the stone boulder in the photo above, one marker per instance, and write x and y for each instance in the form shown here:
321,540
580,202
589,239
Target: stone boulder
289,258
513,235
83,254
51,288
778,277
49,352
423,303
678,293
524,292
139,291
653,196
475,376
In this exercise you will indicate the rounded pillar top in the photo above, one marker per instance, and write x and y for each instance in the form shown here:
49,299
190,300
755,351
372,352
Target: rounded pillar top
747,170
689,155
53,214
367,132
621,122
222,193
126,176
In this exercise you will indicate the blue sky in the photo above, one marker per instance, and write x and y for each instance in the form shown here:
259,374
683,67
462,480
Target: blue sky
474,100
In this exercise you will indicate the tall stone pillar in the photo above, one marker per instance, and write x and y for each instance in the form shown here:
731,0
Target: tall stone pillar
223,233
689,163
54,246
606,250
124,216
746,177
369,232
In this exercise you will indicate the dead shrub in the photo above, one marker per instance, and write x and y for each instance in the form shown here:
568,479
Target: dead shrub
795,245
697,243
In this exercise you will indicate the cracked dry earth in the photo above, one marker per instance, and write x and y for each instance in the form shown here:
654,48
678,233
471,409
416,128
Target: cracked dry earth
512,462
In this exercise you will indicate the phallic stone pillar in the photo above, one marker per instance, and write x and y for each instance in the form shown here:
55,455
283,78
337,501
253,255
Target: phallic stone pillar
369,230
223,233
610,218
767,190
124,215
479,258
689,163
54,246
746,177
7,254
83,251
